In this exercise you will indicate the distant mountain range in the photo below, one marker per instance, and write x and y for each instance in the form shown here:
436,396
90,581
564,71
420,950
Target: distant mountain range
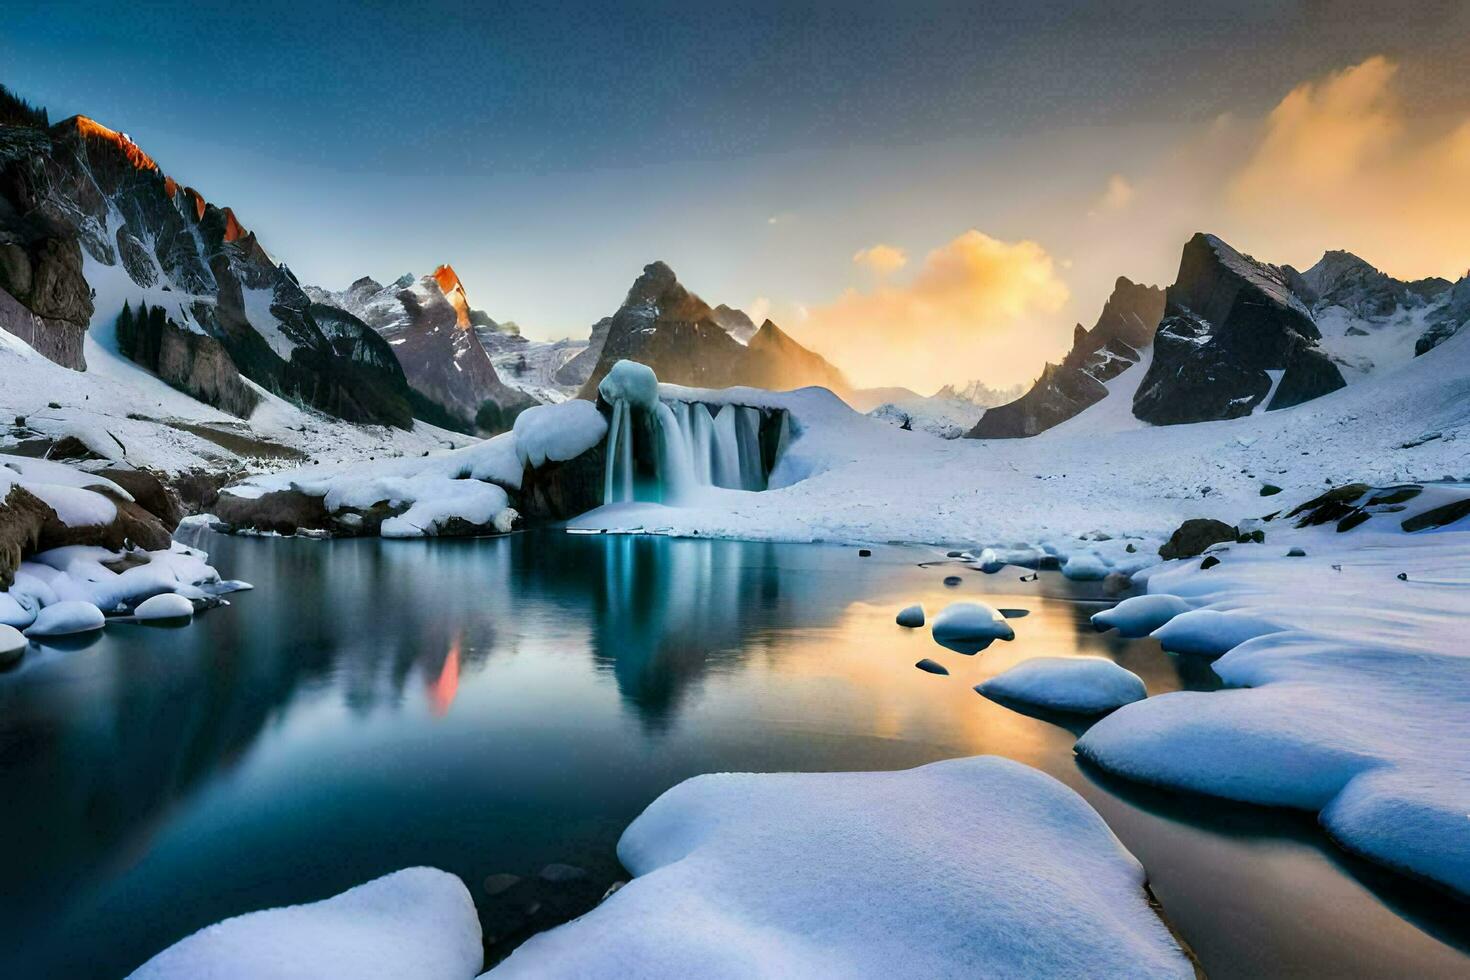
1233,335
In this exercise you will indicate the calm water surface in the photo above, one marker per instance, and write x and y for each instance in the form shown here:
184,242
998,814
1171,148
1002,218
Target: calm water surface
491,707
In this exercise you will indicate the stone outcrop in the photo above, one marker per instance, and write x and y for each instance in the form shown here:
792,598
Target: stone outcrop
670,329
1125,326
1228,320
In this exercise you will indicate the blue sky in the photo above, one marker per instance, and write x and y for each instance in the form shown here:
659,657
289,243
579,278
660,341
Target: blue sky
549,150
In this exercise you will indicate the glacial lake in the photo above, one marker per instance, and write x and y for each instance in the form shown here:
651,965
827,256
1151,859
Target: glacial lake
494,707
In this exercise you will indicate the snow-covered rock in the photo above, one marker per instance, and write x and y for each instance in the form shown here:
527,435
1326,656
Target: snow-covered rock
67,617
630,382
12,644
1210,632
970,626
419,923
875,874
556,433
1084,685
1085,566
1140,615
165,605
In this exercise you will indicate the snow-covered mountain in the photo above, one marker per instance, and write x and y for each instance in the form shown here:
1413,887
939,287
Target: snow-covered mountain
669,328
1123,329
89,222
440,342
979,394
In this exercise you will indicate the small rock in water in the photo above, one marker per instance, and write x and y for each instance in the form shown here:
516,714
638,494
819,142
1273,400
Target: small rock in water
1403,576
562,872
952,580
969,627
954,554
495,884
864,553
12,645
1116,582
1210,562
911,616
1296,553
932,667
1014,613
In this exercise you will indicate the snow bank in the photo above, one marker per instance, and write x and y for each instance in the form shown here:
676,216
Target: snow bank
1140,615
557,433
1085,566
970,626
630,382
436,503
1085,685
419,923
67,617
1210,632
1360,712
876,874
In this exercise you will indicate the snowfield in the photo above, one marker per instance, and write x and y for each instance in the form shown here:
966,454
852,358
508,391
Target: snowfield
965,868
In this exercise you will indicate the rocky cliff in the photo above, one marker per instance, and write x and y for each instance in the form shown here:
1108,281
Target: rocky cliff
1228,321
85,211
670,329
1125,326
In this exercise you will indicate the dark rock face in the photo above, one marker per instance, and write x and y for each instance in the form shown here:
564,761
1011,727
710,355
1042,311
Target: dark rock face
1126,325
1342,279
663,325
81,187
1227,321
558,491
29,525
151,493
1449,321
195,363
425,332
1195,535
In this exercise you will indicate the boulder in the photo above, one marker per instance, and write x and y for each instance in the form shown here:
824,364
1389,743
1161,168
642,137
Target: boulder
1194,536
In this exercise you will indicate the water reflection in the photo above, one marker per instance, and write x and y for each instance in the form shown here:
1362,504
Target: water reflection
487,707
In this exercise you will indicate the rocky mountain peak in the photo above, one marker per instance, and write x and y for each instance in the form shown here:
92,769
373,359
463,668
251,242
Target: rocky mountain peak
91,129
453,291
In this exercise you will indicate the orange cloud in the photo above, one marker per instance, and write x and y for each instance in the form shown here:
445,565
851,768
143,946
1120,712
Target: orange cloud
881,260
977,307
1343,163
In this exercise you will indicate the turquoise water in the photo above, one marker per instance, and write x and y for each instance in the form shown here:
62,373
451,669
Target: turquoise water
495,706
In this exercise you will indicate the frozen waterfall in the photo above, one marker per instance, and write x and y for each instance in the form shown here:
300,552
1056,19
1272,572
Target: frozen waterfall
691,448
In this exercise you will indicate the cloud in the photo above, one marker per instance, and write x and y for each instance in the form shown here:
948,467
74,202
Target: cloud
978,306
1341,162
1118,195
881,260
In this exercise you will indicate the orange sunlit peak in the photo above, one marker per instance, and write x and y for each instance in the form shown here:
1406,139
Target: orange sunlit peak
92,129
233,231
453,290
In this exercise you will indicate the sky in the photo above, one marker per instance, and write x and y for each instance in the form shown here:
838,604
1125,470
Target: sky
926,192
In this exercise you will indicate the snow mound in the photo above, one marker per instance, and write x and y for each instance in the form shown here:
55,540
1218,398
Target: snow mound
556,433
911,616
18,609
1140,615
66,618
438,502
630,382
165,605
1085,566
1084,685
969,627
869,874
419,923
1210,632
12,644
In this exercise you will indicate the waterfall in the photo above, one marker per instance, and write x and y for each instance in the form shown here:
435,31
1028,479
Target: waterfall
692,448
